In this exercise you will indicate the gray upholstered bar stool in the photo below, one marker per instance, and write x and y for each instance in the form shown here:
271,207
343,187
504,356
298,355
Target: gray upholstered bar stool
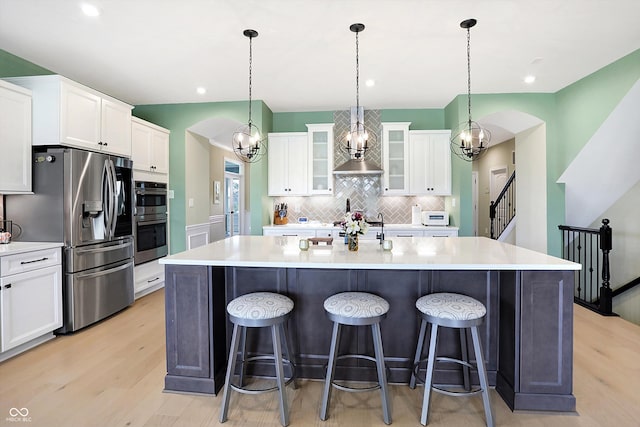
451,311
259,310
356,309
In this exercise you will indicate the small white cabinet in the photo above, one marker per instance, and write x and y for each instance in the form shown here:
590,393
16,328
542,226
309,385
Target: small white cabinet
68,113
30,296
15,139
149,150
430,162
148,277
320,137
395,158
288,164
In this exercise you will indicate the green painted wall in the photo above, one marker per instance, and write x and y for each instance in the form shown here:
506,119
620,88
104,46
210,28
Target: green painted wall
296,122
178,118
421,119
14,66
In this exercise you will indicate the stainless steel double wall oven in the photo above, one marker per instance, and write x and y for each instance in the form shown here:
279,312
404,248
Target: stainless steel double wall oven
150,221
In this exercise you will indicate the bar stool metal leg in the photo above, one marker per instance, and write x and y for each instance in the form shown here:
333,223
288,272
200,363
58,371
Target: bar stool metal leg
277,351
333,352
433,342
288,349
382,373
243,355
416,359
482,373
465,358
231,367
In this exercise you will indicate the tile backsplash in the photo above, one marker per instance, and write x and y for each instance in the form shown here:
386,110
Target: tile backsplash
363,191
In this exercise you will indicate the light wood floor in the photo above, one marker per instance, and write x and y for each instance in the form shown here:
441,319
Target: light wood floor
112,375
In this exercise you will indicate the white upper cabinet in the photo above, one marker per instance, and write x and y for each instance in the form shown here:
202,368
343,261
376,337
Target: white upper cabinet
288,164
149,150
395,158
68,113
15,139
430,162
320,140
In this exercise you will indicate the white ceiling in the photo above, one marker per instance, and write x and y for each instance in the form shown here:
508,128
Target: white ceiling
159,51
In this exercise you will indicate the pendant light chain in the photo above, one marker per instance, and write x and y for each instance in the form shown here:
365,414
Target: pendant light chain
469,73
357,75
250,69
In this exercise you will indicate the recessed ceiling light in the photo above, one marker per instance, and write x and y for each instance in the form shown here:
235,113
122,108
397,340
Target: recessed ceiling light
90,10
201,90
370,83
530,79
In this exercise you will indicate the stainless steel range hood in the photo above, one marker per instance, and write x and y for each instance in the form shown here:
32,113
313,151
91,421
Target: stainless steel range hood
357,166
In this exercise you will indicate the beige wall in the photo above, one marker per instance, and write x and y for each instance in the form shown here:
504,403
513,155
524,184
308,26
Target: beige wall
216,173
197,180
496,156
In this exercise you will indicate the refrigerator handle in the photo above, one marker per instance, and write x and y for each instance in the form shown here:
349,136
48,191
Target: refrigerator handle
108,200
114,198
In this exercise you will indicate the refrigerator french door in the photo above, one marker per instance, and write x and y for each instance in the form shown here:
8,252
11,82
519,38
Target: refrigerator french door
83,199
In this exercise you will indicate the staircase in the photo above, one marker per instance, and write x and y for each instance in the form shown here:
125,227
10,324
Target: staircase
502,211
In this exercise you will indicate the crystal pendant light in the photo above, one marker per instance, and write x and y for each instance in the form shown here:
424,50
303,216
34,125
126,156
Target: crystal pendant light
471,140
247,142
356,141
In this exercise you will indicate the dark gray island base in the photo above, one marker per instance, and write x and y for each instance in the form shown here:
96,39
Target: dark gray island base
527,336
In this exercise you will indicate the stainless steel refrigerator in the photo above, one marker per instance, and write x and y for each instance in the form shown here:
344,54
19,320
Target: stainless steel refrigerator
83,199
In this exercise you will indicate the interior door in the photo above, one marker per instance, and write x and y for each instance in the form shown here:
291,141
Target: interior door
233,197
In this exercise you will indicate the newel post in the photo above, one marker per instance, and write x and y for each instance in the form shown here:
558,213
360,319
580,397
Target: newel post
606,295
492,216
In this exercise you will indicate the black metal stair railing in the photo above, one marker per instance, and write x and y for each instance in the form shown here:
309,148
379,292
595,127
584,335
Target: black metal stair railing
503,209
590,247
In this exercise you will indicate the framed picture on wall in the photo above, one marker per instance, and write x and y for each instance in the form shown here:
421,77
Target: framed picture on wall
216,192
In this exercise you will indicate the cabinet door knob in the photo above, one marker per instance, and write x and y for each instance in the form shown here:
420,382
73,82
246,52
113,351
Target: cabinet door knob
7,286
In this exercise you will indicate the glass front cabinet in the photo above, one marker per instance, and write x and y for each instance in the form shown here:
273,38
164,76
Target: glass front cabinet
395,158
320,158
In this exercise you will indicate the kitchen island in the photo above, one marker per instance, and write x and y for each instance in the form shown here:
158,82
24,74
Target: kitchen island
527,336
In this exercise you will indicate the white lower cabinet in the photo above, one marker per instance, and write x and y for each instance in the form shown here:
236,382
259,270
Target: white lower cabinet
403,233
289,231
443,232
30,296
148,277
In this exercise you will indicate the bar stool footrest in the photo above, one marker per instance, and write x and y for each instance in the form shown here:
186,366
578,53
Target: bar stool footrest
416,368
456,393
334,384
288,381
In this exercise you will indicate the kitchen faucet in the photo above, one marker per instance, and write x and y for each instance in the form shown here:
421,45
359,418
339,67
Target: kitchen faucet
380,236
348,205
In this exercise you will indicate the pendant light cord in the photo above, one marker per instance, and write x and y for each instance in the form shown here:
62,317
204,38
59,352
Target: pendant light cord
250,62
357,76
469,74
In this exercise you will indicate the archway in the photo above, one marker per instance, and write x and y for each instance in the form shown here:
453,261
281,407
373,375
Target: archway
530,137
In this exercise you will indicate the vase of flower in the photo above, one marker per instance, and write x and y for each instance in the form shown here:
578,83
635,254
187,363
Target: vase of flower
354,225
352,242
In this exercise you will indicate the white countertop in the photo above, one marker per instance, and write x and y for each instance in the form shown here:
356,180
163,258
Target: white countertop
316,225
21,247
428,253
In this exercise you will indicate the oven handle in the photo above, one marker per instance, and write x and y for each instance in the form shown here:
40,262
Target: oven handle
151,192
159,221
104,272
